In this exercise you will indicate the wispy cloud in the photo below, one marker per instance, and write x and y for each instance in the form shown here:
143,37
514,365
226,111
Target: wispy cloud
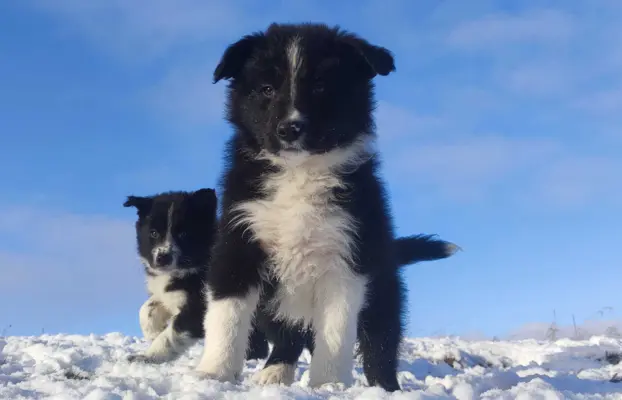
543,79
470,167
187,95
545,26
576,182
605,102
59,267
146,28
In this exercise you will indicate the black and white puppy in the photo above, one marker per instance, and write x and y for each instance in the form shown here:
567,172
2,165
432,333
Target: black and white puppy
175,231
306,234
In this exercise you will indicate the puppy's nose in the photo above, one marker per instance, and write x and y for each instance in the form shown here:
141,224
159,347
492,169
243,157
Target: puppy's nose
290,130
164,259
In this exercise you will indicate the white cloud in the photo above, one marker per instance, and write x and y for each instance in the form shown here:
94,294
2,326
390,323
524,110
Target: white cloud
540,172
605,102
493,30
576,182
467,167
188,95
146,28
539,79
394,123
59,266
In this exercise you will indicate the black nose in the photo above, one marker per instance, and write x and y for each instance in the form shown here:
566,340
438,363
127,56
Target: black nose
164,259
290,130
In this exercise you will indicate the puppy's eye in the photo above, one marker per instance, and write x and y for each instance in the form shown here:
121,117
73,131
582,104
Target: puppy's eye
154,234
318,87
267,90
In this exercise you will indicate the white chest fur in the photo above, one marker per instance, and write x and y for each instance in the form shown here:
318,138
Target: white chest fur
173,301
307,236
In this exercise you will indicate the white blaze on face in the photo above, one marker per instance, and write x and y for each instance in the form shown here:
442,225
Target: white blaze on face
168,245
295,59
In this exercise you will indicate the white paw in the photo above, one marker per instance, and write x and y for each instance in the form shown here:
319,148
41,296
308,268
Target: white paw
275,374
321,381
331,387
221,376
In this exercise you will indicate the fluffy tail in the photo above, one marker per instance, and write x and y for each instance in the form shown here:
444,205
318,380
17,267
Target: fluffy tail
412,249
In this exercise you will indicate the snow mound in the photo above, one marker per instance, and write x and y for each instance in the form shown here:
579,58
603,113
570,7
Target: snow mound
95,368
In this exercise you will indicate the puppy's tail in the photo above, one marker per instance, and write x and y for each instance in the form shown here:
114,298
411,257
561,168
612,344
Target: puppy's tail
416,248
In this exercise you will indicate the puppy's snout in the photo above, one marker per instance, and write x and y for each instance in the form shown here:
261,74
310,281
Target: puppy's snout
291,130
164,258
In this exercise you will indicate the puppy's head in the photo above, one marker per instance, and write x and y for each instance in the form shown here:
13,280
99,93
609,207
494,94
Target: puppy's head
302,88
174,230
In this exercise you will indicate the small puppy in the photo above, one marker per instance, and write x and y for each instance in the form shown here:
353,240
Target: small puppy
174,232
306,238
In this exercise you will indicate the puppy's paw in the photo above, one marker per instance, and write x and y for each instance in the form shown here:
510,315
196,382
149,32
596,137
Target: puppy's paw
221,376
275,374
330,387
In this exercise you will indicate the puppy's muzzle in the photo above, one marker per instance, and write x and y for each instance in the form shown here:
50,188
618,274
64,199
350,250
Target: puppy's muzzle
291,130
164,259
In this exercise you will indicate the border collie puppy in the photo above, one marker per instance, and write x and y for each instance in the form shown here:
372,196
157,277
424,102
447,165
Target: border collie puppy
306,233
174,232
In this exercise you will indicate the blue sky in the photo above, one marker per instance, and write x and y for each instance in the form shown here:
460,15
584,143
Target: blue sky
499,131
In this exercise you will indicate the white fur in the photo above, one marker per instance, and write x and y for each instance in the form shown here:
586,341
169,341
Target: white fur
309,240
227,327
172,301
153,318
167,346
335,318
295,60
168,245
275,374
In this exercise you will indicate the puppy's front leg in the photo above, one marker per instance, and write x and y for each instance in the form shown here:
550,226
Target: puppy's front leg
338,303
178,335
153,318
232,297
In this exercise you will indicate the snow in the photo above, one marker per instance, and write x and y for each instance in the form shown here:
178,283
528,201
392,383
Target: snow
95,368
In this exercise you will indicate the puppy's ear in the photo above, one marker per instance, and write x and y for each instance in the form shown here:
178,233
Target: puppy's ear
205,196
374,60
142,204
235,56
206,199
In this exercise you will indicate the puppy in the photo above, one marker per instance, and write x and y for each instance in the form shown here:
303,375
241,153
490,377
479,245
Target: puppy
306,234
174,232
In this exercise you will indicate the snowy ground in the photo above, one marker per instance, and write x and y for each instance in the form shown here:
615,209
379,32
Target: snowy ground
94,367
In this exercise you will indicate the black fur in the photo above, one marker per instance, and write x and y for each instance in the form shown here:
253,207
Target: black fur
416,248
335,94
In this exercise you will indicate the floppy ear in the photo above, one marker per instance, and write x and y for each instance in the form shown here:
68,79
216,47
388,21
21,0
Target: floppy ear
205,196
235,57
206,199
375,60
142,204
